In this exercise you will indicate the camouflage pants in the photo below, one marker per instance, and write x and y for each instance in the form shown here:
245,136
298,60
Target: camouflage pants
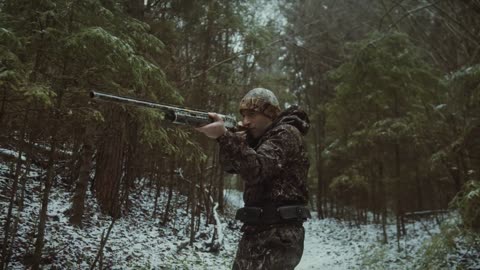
277,248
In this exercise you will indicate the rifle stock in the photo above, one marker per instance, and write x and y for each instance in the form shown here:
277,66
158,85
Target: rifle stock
177,115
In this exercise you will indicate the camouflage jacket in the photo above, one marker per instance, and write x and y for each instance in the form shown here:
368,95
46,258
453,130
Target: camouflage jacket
274,167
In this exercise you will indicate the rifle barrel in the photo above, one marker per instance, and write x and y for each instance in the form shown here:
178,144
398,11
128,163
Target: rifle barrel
177,115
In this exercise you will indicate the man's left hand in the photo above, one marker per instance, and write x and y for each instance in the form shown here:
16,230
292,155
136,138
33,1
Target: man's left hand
215,129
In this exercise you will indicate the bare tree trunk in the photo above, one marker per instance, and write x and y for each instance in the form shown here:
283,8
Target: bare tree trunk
376,208
201,195
399,188
320,180
78,203
46,193
130,162
103,242
3,106
74,165
19,202
398,210
384,202
221,188
193,209
109,167
170,190
13,196
156,176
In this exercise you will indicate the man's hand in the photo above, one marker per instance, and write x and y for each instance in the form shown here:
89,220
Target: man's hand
215,129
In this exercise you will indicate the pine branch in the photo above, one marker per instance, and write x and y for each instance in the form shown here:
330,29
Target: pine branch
410,13
388,12
227,60
470,36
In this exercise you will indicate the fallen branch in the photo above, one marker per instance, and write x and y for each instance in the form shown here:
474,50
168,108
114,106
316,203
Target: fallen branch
216,245
103,242
425,213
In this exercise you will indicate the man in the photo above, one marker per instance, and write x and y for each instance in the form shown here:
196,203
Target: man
272,161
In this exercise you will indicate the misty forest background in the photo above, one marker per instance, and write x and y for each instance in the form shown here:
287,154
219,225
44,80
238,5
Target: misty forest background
392,89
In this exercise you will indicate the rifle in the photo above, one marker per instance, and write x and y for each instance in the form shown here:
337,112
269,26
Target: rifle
176,115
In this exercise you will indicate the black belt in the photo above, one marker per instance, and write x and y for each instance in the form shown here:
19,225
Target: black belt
273,215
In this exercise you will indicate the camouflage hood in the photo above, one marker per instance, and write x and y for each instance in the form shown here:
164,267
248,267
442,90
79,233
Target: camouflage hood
294,116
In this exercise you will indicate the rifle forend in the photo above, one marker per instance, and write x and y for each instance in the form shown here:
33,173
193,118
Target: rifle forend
177,115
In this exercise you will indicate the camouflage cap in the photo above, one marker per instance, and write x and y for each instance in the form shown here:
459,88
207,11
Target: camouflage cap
261,100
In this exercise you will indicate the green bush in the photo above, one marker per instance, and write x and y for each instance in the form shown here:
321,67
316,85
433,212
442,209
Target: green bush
468,205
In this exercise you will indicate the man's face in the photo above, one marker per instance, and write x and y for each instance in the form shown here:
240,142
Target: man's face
256,123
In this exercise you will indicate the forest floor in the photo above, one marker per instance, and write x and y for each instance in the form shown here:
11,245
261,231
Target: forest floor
140,241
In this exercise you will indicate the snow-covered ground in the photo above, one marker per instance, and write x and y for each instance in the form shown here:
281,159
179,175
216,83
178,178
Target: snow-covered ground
11,153
330,244
139,241
136,241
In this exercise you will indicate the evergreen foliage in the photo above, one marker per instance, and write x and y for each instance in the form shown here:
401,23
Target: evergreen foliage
392,90
380,88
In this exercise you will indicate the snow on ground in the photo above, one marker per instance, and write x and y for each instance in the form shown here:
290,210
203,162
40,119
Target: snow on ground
330,244
136,241
335,245
233,198
140,241
11,153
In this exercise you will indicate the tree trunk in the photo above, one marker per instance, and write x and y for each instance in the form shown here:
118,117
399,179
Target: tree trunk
74,164
318,166
19,202
3,106
135,8
109,168
373,200
221,187
384,202
170,190
130,163
13,193
156,176
398,194
418,185
13,197
46,193
193,205
78,203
